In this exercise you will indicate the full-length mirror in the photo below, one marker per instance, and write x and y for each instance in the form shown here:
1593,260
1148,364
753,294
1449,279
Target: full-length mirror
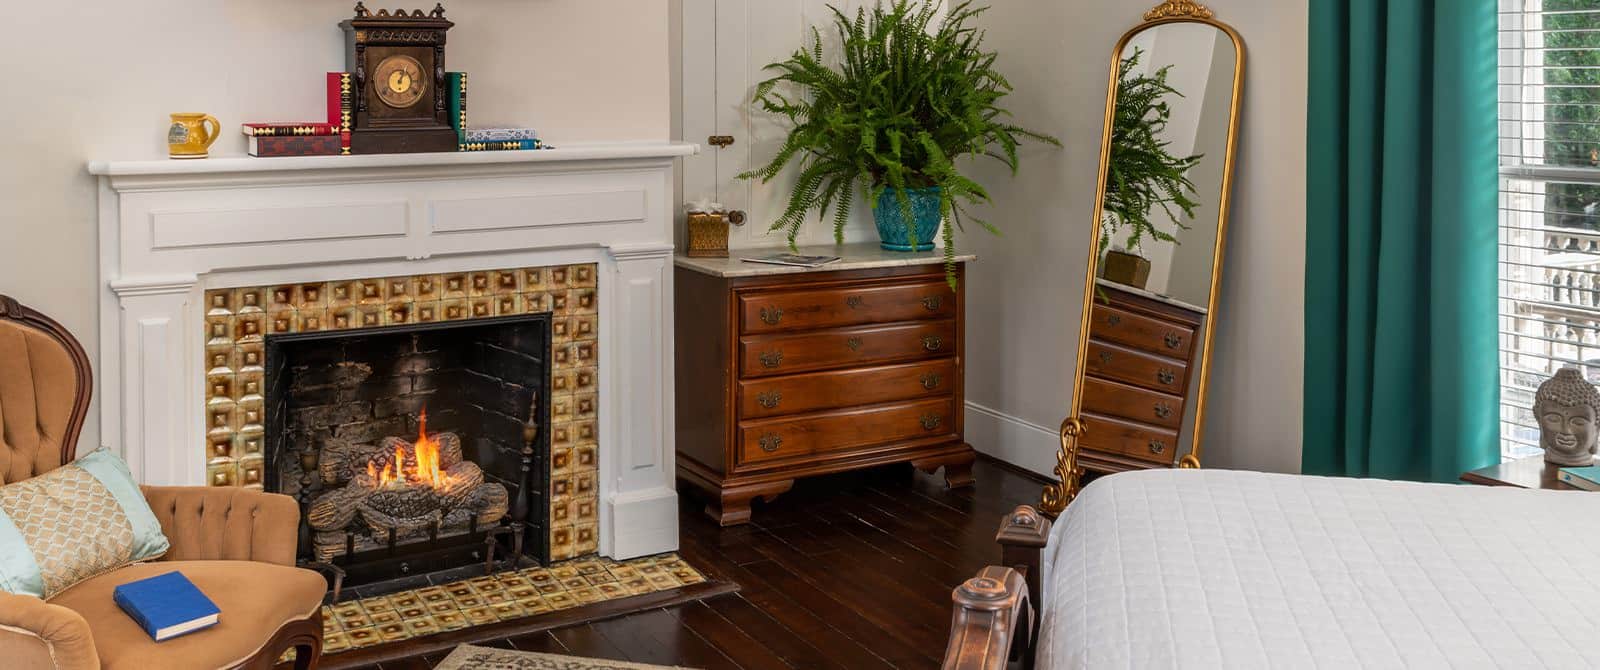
1155,265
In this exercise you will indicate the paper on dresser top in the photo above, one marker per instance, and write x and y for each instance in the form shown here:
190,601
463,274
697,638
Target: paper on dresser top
857,256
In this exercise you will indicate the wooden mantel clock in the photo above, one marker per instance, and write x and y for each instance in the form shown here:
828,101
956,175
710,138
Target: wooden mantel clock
397,65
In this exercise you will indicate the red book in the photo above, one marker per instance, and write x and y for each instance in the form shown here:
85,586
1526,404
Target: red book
334,79
288,128
296,145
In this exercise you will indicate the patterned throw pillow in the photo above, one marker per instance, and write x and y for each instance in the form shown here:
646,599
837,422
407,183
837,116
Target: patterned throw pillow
80,520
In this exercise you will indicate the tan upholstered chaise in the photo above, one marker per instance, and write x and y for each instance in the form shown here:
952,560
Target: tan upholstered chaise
238,546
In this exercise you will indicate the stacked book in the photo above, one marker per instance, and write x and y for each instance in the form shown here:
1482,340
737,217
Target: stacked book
498,138
308,138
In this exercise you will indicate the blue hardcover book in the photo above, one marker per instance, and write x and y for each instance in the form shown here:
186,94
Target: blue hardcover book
503,145
166,605
501,134
1586,477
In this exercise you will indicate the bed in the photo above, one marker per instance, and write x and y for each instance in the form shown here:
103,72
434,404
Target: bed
1214,569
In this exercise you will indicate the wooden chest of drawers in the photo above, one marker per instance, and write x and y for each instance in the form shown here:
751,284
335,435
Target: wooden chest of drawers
1136,381
790,375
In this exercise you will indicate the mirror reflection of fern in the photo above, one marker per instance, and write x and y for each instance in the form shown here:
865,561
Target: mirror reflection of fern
909,95
1142,173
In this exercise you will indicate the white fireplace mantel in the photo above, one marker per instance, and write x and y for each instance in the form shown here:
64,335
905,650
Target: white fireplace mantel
170,230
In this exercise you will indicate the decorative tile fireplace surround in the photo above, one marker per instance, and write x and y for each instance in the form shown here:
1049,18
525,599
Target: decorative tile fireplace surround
203,261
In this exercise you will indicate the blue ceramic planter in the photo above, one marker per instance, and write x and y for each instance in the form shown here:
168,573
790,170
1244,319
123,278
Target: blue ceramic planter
892,226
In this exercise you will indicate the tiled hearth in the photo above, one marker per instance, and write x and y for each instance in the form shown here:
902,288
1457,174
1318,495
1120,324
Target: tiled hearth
238,321
507,596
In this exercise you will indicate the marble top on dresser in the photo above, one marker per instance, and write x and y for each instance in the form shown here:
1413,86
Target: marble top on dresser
1102,281
858,256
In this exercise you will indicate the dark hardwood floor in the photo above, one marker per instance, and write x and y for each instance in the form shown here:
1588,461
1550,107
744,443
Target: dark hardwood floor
845,571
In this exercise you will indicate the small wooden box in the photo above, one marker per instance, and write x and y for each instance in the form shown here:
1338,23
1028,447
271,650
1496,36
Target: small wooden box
708,235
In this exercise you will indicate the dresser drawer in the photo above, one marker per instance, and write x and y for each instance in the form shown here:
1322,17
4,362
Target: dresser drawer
1131,366
792,394
1110,434
836,433
1129,402
1141,332
828,308
766,355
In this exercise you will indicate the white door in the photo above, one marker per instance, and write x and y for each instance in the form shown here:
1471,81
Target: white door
726,43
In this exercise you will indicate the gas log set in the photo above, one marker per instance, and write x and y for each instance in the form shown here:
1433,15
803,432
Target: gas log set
400,491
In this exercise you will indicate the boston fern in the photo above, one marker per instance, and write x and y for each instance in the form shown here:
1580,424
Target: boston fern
909,95
1142,173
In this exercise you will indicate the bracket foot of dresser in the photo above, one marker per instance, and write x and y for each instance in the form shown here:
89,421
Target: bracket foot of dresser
731,506
957,468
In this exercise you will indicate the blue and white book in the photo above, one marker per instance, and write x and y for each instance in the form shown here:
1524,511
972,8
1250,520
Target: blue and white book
1586,477
167,605
503,134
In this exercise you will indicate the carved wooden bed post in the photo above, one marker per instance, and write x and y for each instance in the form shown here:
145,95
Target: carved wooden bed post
1022,537
994,619
992,623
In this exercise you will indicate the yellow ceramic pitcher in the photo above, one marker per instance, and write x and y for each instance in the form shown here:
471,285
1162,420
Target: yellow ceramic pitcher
187,137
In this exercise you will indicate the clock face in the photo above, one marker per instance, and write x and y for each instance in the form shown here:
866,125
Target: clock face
399,81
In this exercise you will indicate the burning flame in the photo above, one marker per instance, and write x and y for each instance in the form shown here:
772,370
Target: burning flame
427,471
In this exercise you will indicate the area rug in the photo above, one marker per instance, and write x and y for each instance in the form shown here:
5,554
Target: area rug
495,598
468,657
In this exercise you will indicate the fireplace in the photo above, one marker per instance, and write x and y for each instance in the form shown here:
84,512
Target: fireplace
200,263
415,448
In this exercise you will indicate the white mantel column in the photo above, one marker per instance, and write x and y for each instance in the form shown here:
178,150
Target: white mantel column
639,510
152,388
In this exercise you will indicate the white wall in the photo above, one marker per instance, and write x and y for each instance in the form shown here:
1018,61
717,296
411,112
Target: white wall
98,78
1025,292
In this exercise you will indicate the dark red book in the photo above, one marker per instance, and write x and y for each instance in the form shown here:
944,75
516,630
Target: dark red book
296,145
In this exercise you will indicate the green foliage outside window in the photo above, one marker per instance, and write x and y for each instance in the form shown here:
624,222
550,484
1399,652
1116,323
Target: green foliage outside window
1572,115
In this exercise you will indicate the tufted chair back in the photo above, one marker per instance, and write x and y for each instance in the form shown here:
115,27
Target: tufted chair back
44,392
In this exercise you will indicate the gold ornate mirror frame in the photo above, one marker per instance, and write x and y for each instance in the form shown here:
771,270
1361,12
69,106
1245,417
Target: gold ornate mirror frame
1067,471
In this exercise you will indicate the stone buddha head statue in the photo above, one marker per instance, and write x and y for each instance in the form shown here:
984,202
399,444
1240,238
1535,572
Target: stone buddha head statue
1566,407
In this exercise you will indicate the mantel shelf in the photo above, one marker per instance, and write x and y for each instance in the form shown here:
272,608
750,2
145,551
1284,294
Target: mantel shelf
245,164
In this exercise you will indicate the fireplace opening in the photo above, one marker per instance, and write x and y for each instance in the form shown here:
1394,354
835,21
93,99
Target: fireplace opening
413,450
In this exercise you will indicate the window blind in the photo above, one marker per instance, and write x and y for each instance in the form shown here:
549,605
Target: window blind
1549,100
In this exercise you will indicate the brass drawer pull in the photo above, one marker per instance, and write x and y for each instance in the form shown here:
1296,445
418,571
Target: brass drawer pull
771,359
1163,410
1105,358
1113,320
1173,340
770,442
771,315
931,421
932,342
1166,376
854,343
930,381
853,302
932,303
1157,446
769,399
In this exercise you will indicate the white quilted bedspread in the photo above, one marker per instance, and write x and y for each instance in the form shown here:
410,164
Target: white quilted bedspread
1220,569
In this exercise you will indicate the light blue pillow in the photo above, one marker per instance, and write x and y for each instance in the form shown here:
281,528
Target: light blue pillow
78,521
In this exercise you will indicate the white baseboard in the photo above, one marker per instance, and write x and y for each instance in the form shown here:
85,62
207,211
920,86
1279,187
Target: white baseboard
1016,441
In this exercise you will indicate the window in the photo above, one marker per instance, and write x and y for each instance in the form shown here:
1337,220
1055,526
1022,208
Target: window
1549,203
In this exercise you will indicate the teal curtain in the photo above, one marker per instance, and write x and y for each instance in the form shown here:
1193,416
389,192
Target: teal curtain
1401,363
